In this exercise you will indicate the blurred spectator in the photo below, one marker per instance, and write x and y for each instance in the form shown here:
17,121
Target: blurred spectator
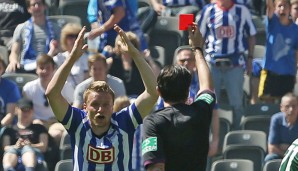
175,8
280,63
294,11
35,91
24,140
12,13
229,31
34,37
283,128
98,71
124,67
120,103
103,15
9,95
79,72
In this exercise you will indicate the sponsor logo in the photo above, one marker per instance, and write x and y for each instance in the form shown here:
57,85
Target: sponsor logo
225,32
100,155
149,144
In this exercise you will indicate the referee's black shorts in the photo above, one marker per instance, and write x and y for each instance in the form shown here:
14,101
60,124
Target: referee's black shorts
275,85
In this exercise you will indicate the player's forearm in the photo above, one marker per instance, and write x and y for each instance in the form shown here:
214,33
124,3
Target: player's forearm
14,54
269,8
276,150
215,126
147,74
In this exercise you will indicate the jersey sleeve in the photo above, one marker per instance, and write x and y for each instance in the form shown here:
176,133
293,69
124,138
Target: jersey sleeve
152,144
73,118
207,97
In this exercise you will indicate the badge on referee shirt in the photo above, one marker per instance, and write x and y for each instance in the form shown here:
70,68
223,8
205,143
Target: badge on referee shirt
149,144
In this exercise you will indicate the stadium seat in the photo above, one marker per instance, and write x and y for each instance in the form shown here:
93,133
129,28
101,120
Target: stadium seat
246,144
258,123
158,54
224,128
64,165
232,165
166,35
20,78
76,8
61,20
272,165
143,3
246,138
267,109
253,153
147,18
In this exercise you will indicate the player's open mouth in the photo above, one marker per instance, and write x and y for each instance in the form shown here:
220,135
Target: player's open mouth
99,117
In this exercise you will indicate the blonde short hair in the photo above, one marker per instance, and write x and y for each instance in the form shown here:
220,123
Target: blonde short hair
293,2
99,87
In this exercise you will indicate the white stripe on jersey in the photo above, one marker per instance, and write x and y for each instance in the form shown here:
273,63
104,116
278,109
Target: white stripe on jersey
134,120
216,28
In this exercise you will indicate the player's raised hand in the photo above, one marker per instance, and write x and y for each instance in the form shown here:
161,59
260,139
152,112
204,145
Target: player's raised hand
79,47
125,44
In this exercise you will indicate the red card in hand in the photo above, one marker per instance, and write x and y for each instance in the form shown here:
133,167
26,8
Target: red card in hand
185,20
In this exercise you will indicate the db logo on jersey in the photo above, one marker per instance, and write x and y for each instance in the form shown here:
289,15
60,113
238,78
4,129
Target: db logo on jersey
100,155
225,32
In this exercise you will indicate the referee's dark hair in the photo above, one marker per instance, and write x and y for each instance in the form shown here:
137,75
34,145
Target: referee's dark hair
173,83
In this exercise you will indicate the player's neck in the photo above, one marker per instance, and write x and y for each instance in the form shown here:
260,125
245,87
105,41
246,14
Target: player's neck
169,104
39,20
100,131
225,5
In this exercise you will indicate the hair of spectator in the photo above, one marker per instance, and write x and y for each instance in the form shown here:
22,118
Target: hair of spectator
133,39
69,28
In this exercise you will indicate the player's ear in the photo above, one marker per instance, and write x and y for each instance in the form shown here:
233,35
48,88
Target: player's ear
158,91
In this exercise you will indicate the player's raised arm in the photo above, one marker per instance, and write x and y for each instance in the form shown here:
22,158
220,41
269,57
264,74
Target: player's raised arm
148,98
196,41
58,103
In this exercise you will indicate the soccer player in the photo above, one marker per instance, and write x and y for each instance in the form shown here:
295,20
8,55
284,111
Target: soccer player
101,139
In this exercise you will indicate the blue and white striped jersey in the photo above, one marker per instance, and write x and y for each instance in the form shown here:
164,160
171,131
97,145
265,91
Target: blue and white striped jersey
110,152
226,31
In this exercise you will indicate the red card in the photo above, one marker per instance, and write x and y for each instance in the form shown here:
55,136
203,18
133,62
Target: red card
185,20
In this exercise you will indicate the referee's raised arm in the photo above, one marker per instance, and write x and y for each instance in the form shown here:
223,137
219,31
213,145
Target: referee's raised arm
196,41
